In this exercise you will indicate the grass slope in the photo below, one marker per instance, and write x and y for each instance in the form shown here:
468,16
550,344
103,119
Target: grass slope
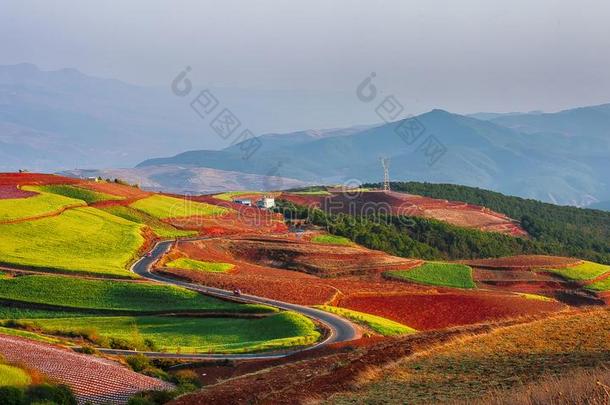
13,376
114,295
163,207
190,264
44,203
227,335
229,196
331,240
89,196
83,239
502,359
584,271
436,273
378,324
160,228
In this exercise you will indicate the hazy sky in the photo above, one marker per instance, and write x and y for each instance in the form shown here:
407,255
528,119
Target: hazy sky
464,56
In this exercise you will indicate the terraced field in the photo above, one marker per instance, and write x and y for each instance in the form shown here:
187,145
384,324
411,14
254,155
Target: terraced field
90,294
583,271
192,334
378,324
83,240
164,207
34,206
190,264
77,193
160,228
436,273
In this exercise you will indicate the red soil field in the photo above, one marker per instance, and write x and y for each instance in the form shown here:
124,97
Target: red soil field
434,311
523,262
20,179
115,189
255,274
11,191
453,212
91,378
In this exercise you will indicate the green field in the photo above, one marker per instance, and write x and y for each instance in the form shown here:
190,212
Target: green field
13,376
188,335
317,192
160,228
88,196
235,194
437,273
41,204
378,324
163,207
331,240
72,292
190,264
584,271
83,239
603,285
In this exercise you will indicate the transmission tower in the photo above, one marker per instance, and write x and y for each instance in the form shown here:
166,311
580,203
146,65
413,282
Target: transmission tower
385,162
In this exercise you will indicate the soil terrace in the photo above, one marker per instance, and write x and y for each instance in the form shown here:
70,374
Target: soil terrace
390,202
92,379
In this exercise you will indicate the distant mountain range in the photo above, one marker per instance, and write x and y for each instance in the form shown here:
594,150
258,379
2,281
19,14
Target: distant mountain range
52,121
560,157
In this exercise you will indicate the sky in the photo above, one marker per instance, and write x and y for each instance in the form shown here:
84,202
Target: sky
464,56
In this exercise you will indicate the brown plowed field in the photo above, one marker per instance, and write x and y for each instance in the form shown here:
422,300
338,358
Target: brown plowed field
390,202
255,275
92,379
444,309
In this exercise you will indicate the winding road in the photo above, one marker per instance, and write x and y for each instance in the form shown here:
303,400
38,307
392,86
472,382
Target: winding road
340,329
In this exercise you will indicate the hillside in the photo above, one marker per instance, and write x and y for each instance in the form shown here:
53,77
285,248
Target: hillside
478,153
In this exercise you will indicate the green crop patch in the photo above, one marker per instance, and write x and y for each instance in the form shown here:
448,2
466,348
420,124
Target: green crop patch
583,271
160,228
84,240
38,205
190,264
192,334
437,273
88,196
602,285
64,291
229,196
331,240
13,376
383,326
164,207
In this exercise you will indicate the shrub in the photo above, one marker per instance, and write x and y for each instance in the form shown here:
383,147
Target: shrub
152,398
138,362
57,394
12,395
186,377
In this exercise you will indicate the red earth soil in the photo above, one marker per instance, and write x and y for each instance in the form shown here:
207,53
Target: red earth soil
254,275
389,202
434,311
523,262
115,189
11,191
19,179
92,379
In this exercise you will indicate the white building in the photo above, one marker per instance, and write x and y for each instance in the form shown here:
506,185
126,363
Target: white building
266,202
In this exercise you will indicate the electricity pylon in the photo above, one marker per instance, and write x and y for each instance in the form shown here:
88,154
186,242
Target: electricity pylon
385,162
